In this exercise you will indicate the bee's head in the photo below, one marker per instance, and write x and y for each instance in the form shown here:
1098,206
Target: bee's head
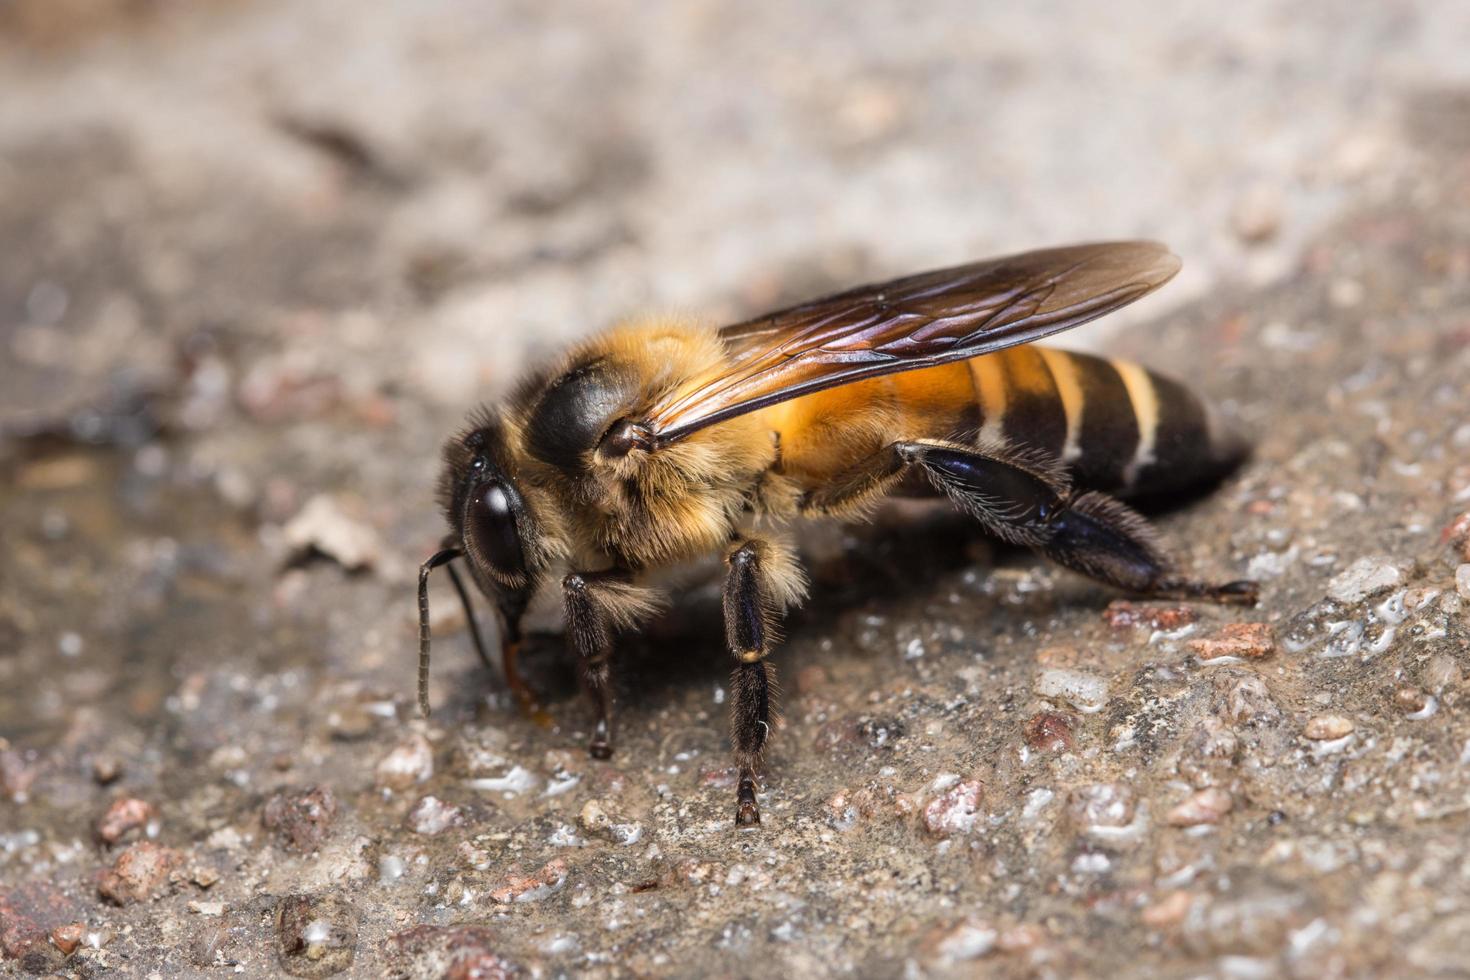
491,519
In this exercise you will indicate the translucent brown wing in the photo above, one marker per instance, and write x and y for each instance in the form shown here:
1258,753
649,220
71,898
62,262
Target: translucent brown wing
915,322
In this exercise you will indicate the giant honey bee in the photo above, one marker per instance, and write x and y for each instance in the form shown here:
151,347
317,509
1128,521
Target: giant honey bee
662,440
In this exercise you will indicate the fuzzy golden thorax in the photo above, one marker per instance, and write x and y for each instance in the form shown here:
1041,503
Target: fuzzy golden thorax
646,507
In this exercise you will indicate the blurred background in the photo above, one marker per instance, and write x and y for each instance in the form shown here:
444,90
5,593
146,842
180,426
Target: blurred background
394,201
259,257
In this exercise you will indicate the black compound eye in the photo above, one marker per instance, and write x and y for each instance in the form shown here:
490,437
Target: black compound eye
492,523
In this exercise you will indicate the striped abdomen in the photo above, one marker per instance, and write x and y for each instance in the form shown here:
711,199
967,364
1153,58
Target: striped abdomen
1116,426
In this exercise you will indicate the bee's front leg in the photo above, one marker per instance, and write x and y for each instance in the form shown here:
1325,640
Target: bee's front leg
597,604
762,580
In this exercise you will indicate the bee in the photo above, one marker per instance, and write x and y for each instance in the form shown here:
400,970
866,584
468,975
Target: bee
662,440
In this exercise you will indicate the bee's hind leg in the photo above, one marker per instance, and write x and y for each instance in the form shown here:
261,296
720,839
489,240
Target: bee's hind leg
762,580
1026,499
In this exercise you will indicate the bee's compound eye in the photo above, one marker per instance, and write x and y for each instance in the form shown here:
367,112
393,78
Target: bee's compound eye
492,523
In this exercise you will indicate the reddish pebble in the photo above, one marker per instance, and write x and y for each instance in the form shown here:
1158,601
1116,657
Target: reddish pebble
302,820
1122,614
1048,731
67,938
1457,535
531,888
1251,641
1169,910
123,817
138,873
954,811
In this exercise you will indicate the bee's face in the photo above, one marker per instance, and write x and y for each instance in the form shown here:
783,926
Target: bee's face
487,510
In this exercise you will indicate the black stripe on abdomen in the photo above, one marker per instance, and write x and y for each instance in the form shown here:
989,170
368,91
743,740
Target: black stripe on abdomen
1034,415
1108,436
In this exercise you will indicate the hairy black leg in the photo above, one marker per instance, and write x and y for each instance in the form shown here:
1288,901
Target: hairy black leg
750,612
1026,499
589,630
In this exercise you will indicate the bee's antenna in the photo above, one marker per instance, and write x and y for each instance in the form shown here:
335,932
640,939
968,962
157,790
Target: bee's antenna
439,558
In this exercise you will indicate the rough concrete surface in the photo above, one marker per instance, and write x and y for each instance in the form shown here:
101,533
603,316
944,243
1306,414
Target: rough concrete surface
258,259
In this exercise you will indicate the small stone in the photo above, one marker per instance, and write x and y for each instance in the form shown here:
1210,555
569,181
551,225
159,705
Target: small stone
138,873
1168,911
1248,700
451,952
1439,672
968,939
1083,690
317,935
412,762
1122,614
1206,806
1462,580
1256,216
1410,700
1102,806
1048,731
431,816
326,526
534,887
956,810
1250,641
29,914
1326,728
1365,578
1457,536
106,770
301,821
68,937
123,817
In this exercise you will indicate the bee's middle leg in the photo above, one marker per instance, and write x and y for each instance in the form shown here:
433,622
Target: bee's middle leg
761,581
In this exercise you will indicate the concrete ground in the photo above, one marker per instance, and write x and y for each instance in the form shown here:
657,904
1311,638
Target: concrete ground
259,259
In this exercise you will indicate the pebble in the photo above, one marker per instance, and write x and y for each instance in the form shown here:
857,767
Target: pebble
1251,641
1048,731
956,810
123,817
1462,580
532,888
1105,806
1326,728
1168,911
316,934
1410,700
1365,578
106,770
326,526
138,873
301,821
968,939
1439,672
596,819
451,952
1122,614
68,937
431,816
1083,690
1206,806
30,913
1256,215
411,762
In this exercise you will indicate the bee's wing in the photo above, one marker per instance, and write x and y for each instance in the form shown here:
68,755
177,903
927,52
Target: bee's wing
915,322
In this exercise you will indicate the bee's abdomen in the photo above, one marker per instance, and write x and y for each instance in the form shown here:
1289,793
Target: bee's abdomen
1115,425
